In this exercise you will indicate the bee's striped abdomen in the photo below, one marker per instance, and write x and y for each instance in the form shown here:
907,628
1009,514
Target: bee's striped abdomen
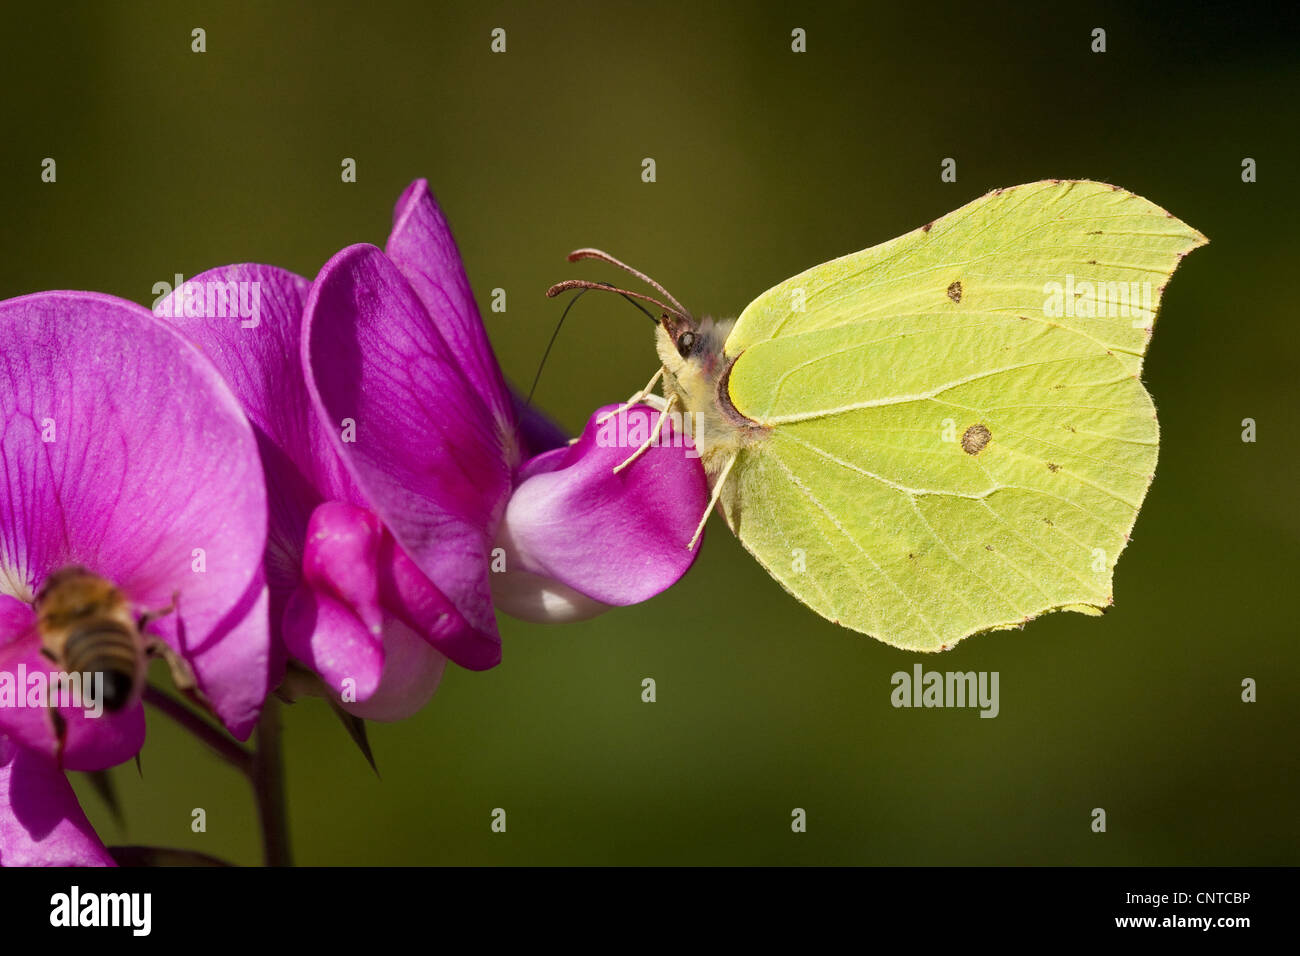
105,646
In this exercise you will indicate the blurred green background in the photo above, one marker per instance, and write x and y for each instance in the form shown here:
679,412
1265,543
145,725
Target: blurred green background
768,162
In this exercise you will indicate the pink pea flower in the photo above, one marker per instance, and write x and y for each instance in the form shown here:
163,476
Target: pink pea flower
125,453
401,471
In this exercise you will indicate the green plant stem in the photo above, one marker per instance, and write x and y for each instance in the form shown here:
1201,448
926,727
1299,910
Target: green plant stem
263,766
161,856
268,786
216,740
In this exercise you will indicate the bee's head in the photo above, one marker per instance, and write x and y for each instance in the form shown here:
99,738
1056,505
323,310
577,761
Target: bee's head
73,592
73,575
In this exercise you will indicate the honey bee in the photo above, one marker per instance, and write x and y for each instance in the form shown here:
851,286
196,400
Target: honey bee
86,627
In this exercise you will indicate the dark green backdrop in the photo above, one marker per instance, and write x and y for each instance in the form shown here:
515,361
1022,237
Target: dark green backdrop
768,162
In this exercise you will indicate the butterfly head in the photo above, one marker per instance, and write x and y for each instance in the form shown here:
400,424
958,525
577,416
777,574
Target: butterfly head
690,349
688,346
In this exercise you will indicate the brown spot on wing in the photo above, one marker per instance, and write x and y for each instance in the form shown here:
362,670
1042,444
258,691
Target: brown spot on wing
954,291
975,438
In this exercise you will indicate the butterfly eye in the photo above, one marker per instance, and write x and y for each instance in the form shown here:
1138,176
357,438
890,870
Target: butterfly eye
685,342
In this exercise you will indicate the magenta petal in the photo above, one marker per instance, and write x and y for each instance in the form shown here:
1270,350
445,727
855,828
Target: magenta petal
341,558
90,743
539,433
429,457
16,619
97,743
235,666
126,452
326,636
423,249
395,670
615,538
535,597
261,359
41,822
411,674
384,676
413,599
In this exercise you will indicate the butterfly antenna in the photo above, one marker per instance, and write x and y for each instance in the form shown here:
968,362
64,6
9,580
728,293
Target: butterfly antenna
568,284
582,290
579,254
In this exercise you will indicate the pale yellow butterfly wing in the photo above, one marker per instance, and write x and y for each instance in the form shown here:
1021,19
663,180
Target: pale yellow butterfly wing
958,438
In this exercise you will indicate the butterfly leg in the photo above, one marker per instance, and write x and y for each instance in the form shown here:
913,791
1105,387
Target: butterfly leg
713,500
657,402
654,435
636,397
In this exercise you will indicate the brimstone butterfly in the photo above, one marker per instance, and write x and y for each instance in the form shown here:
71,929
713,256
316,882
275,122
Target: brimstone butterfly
946,433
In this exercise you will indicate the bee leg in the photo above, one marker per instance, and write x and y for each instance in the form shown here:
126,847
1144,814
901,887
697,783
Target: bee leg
49,655
148,616
60,736
182,673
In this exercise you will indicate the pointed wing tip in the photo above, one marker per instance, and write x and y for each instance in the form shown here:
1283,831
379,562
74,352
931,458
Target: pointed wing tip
1197,237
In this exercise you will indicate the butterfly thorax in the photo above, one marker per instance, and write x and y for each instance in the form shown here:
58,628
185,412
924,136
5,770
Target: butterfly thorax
696,368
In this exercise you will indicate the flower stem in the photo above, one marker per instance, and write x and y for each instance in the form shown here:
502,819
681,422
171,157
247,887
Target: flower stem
161,856
225,748
268,786
263,766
